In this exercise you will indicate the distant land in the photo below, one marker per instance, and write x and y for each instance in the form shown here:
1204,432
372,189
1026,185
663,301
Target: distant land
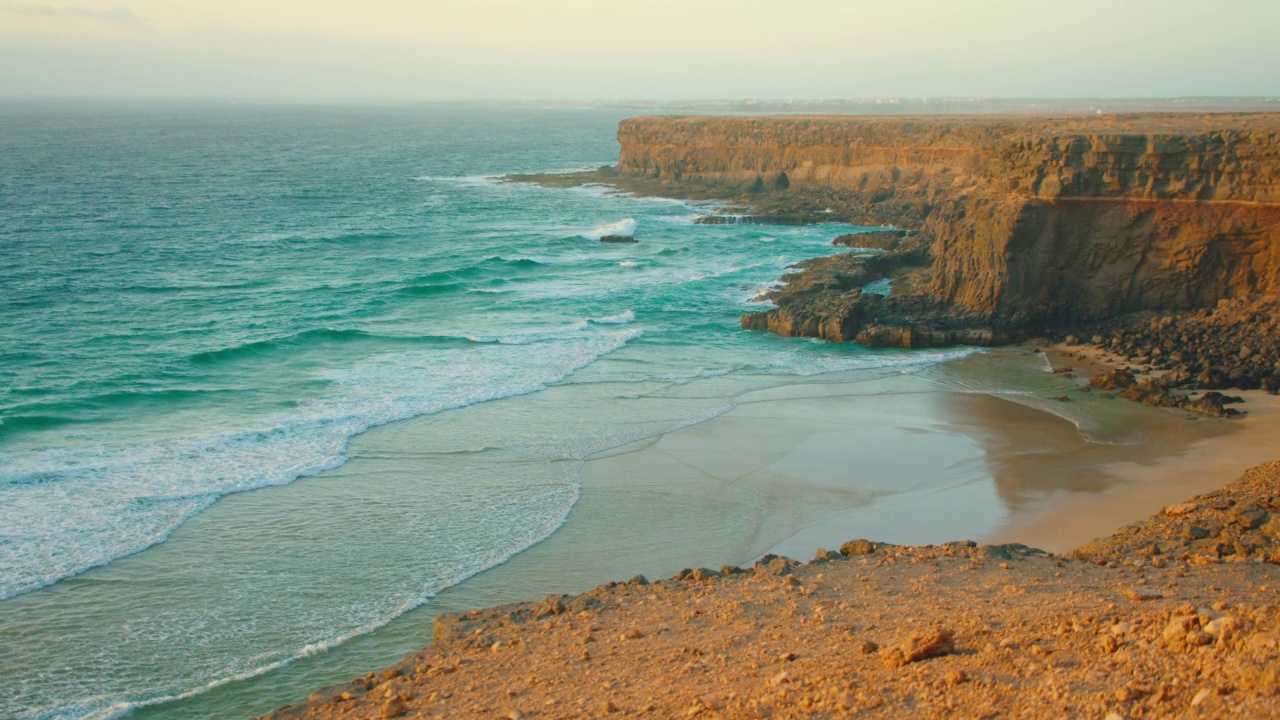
939,105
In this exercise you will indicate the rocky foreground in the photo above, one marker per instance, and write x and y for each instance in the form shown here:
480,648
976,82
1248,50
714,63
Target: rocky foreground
1178,616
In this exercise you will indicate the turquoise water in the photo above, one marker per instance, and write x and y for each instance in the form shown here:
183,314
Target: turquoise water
197,302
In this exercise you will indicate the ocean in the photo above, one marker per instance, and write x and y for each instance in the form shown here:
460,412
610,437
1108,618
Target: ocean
202,302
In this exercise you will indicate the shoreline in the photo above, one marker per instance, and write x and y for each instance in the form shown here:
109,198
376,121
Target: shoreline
714,448
1069,520
1148,625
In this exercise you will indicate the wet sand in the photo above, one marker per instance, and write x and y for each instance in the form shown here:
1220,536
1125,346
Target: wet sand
1196,456
978,448
984,448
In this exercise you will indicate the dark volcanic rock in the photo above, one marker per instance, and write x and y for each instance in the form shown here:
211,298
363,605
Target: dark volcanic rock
618,239
885,239
824,299
1234,345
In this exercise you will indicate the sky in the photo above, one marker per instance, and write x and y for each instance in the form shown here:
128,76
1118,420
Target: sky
639,49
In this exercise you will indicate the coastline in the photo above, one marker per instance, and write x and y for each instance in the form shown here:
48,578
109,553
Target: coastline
1197,465
772,476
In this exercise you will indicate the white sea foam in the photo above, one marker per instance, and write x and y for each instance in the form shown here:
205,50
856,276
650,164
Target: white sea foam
65,510
109,710
808,364
461,179
625,227
626,316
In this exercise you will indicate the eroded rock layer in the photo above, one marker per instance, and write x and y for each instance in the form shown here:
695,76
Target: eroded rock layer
1027,224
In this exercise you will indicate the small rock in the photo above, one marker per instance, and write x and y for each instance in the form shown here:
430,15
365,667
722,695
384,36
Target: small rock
826,555
780,678
1180,509
857,547
1195,532
1264,641
1224,626
608,707
867,647
393,708
921,646
1141,594
1178,628
703,574
1201,696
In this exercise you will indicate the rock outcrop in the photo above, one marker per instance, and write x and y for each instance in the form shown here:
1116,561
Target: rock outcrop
1028,224
886,239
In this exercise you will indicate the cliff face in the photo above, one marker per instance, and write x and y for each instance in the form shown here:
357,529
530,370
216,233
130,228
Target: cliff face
1025,223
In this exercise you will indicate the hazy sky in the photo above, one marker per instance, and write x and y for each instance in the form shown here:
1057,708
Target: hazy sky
609,49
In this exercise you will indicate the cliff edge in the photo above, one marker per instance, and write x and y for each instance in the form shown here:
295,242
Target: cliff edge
1025,225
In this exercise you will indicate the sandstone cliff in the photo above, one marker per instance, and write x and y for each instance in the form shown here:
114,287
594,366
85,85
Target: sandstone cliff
1026,224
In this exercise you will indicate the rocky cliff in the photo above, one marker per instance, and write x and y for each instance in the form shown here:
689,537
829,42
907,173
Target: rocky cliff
1025,224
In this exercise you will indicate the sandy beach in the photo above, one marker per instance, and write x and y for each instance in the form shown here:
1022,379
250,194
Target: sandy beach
918,458
1191,462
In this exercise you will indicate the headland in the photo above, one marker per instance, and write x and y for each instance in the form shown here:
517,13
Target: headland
1154,234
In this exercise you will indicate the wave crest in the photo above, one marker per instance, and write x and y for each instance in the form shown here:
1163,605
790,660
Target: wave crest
626,227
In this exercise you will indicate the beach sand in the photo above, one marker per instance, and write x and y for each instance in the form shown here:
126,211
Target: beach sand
1187,460
935,630
978,448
